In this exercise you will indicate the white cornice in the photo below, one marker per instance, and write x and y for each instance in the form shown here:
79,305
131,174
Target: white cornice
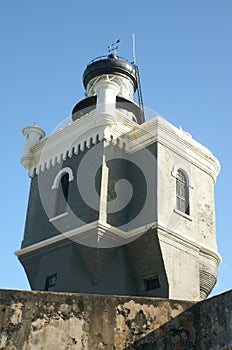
194,242
127,236
76,137
93,128
180,142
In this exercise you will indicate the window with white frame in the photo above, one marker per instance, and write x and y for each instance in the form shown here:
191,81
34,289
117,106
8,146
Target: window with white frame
182,192
62,194
61,186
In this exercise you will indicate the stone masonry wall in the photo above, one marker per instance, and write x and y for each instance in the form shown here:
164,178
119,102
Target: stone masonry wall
64,321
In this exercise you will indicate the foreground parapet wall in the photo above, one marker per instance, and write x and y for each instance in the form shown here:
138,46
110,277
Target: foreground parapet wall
46,320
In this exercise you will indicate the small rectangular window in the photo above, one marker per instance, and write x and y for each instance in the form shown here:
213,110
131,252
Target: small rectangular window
50,282
152,283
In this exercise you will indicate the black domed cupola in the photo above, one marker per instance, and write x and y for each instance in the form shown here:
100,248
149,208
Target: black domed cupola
109,81
113,66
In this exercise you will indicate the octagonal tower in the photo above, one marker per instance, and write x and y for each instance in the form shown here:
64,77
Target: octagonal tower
118,205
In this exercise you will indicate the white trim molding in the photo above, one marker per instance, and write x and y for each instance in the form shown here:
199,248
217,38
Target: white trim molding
181,213
126,237
93,128
58,216
76,137
63,171
186,170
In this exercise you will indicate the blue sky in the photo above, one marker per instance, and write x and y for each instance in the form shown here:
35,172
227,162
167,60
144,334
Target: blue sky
184,54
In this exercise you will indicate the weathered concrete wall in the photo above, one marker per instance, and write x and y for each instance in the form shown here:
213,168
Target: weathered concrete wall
190,268
64,321
205,326
200,224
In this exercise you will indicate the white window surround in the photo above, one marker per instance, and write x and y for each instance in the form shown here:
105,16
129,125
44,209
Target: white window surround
181,213
63,171
58,216
186,170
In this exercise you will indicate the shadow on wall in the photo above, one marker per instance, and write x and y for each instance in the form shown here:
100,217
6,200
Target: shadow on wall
206,326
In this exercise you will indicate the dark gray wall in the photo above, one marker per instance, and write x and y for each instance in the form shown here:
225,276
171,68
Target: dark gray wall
83,269
42,201
121,270
140,169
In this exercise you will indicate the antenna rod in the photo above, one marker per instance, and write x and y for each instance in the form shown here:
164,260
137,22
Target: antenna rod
133,48
139,89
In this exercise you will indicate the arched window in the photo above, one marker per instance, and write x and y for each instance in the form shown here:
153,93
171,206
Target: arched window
61,186
62,194
182,192
63,171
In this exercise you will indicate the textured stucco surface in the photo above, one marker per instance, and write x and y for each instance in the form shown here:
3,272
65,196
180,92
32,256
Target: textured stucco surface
205,326
45,320
190,268
201,197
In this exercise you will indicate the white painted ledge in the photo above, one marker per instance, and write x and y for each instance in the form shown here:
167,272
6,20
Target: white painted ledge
59,216
186,216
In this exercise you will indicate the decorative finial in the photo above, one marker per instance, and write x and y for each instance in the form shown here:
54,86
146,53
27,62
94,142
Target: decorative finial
113,47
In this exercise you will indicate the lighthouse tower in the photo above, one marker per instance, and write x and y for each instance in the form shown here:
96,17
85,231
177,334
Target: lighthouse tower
117,204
